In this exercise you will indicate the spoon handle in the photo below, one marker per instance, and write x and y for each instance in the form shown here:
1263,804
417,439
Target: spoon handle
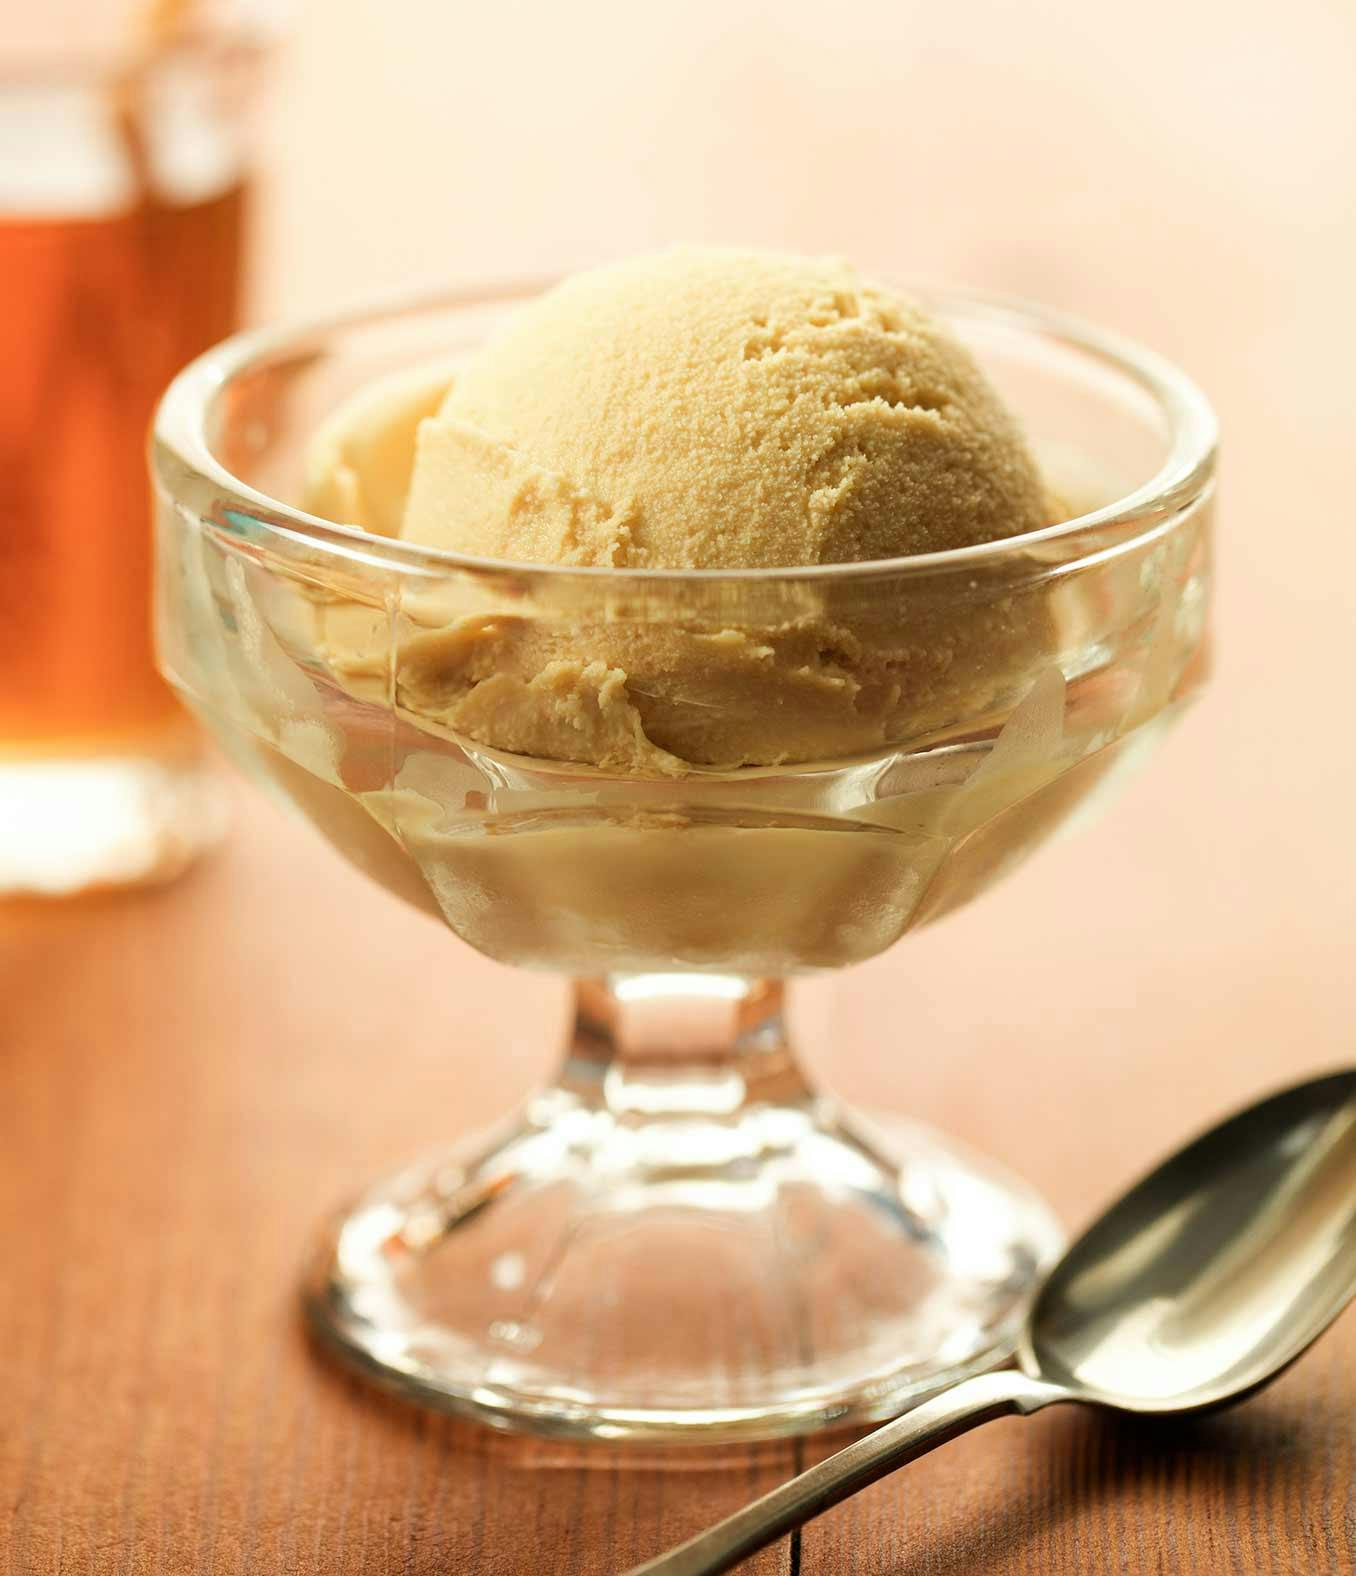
954,1411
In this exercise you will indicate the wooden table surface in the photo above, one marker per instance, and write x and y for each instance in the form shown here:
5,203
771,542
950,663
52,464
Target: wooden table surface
190,1078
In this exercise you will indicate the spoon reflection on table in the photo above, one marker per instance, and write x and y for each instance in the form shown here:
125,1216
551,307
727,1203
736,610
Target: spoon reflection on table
1192,1291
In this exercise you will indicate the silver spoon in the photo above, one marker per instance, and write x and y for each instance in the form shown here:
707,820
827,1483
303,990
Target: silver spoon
1193,1291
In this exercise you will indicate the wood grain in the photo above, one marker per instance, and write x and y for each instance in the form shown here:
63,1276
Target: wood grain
190,1078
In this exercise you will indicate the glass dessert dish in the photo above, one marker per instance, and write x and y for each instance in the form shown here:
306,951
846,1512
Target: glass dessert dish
680,1237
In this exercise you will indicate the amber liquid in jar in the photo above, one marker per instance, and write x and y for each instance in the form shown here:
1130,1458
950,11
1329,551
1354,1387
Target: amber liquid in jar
100,312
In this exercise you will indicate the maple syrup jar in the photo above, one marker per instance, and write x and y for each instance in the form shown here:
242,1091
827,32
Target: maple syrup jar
123,189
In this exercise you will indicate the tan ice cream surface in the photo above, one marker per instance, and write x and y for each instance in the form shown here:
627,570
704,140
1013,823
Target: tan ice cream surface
720,410
695,409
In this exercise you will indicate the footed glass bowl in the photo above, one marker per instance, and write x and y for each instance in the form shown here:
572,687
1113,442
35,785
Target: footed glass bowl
680,1237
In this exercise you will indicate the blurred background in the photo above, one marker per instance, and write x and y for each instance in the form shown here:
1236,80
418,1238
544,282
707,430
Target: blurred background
1182,172
1185,173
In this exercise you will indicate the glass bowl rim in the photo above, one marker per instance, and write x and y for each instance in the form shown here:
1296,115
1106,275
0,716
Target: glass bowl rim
1184,477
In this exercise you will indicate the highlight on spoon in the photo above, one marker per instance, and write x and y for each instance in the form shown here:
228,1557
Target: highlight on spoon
1218,1269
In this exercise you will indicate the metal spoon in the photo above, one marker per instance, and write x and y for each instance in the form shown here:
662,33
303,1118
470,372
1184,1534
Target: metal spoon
1193,1291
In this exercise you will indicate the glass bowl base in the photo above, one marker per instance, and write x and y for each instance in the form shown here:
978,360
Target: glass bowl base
770,1271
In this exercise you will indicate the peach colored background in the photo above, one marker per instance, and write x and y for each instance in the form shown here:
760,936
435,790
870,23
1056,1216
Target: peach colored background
189,1077
1182,171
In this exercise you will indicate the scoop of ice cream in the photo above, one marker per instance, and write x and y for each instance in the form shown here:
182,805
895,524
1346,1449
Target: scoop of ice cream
699,409
359,462
718,410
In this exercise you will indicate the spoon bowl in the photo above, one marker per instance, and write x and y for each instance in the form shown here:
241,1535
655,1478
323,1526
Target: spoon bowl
1217,1270
1196,1288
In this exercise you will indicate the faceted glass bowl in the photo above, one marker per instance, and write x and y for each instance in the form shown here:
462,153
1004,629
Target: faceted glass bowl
680,1238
